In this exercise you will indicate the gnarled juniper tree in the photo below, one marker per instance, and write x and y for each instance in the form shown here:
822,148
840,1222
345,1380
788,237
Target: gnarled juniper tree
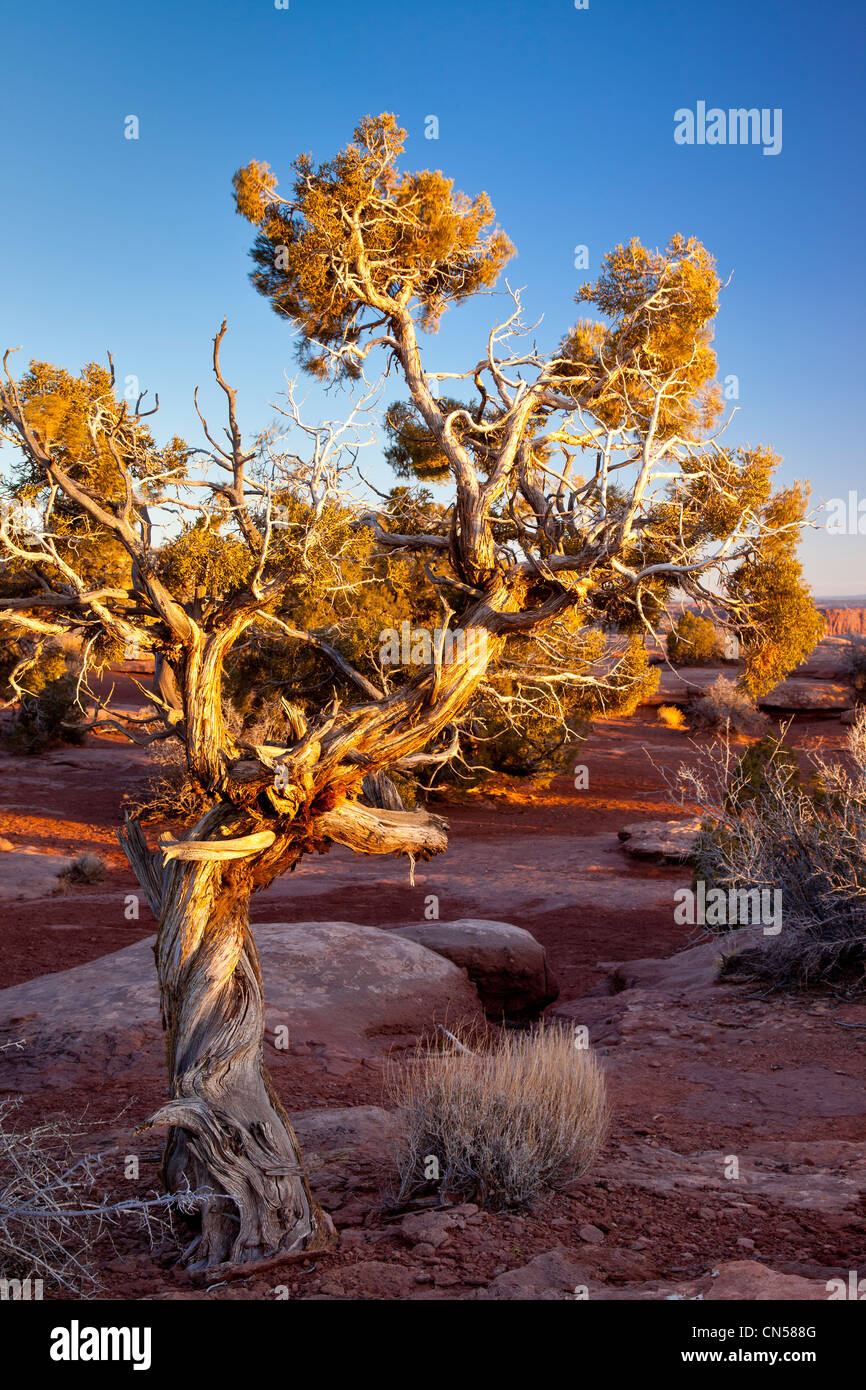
588,484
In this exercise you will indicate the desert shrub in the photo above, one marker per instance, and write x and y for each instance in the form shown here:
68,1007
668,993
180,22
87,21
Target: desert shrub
535,743
51,1212
522,724
46,707
857,667
758,766
671,716
507,1119
767,827
85,868
726,708
693,641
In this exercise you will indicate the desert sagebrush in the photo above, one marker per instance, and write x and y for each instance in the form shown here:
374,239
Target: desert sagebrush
728,709
766,827
506,1122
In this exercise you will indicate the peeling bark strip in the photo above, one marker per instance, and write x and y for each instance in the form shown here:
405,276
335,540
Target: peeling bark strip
369,831
215,850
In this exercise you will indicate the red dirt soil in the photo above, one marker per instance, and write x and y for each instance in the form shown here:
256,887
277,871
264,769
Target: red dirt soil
647,1234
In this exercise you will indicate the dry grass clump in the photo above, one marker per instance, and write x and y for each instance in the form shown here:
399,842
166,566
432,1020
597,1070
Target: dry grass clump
672,716
727,709
85,868
507,1119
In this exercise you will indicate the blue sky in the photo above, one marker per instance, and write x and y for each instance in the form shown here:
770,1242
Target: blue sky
564,116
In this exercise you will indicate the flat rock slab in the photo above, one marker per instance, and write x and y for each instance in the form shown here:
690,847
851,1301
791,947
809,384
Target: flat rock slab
729,1281
731,1098
329,983
558,1276
729,1066
354,1132
505,963
30,874
800,693
679,687
347,1151
551,872
829,660
695,968
554,1276
785,1173
662,841
66,763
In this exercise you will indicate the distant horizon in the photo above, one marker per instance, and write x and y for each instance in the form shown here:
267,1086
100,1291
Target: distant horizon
840,600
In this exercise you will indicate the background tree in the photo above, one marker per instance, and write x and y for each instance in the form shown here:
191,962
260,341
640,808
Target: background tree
38,670
693,640
584,491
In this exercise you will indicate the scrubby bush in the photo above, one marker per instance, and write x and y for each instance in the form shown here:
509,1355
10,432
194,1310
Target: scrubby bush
508,1119
47,707
53,1212
85,868
756,768
768,827
671,716
694,641
726,708
523,723
857,667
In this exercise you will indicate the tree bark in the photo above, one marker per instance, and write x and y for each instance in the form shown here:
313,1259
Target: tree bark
229,1135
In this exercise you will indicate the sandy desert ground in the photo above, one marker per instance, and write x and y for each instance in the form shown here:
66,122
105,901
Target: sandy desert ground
697,1071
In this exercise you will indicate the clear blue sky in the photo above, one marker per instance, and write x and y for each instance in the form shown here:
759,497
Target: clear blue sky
564,116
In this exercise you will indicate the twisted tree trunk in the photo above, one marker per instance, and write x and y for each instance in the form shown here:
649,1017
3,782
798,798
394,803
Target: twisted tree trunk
229,1135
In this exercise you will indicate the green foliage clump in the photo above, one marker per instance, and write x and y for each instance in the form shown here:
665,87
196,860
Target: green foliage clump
782,624
412,451
672,337
520,728
48,702
693,641
200,561
314,262
61,408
